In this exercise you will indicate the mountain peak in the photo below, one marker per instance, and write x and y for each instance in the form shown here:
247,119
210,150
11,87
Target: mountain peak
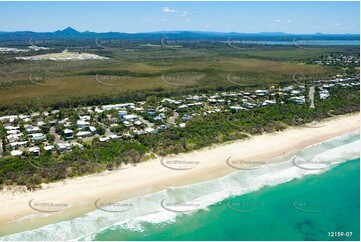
68,31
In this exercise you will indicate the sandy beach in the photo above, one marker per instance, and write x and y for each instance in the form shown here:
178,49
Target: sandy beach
81,193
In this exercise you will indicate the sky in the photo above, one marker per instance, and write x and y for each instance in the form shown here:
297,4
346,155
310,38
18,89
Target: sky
135,17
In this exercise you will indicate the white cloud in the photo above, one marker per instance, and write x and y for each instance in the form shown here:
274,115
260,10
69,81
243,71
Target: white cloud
337,25
277,20
288,21
183,14
169,10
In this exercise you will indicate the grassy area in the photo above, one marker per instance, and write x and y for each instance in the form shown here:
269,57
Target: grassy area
148,68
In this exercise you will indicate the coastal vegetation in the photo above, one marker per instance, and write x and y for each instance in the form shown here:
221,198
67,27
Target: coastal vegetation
201,131
149,71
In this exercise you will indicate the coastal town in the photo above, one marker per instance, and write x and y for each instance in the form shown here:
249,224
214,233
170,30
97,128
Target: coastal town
58,131
339,60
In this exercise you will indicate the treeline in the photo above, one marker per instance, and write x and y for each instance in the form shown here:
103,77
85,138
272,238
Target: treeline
109,98
225,126
200,131
32,171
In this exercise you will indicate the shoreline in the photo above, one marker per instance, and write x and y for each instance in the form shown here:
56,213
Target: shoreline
151,176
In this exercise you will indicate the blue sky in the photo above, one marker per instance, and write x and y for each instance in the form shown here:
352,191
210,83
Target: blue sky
131,17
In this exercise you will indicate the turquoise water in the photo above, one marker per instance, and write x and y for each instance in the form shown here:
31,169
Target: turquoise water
280,201
336,192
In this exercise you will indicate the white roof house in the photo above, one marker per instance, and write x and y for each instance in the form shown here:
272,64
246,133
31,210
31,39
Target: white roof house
127,124
83,134
113,136
150,130
76,144
9,127
68,131
182,125
37,137
237,108
104,139
10,118
85,117
117,106
31,130
63,146
14,137
82,123
130,117
49,148
20,143
34,150
16,152
12,132
324,94
92,129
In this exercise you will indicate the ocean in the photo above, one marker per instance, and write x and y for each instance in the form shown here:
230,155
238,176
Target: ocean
289,200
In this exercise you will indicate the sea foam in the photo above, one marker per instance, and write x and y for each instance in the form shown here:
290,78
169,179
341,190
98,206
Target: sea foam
148,208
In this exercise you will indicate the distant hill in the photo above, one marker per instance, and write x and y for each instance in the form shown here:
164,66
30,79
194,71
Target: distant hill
70,33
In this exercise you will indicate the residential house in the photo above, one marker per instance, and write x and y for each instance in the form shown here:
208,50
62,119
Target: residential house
68,133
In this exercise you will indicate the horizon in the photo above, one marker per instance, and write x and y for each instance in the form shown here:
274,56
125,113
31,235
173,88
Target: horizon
180,31
147,17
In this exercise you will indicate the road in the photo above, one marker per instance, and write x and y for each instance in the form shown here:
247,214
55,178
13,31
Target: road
312,96
57,137
149,124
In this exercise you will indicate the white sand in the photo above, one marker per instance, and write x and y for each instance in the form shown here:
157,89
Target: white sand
209,163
